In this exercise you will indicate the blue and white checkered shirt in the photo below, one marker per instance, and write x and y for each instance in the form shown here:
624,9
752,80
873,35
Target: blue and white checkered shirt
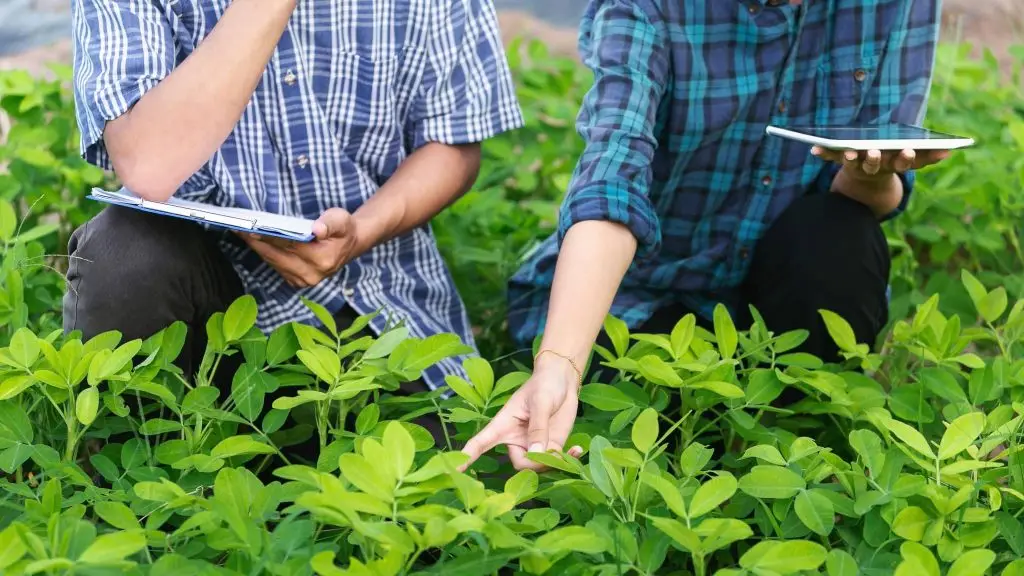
353,89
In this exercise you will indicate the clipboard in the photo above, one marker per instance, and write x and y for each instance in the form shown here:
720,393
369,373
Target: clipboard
291,228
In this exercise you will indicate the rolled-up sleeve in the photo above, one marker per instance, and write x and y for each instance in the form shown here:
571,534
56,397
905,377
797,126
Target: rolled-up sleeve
903,81
627,48
122,49
468,94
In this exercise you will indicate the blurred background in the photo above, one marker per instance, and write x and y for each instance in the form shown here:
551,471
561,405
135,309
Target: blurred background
35,31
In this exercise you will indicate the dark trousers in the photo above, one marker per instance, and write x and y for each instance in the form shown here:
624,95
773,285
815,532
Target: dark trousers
138,273
825,251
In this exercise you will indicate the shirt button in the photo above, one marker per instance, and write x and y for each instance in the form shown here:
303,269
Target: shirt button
290,78
860,75
782,106
754,8
348,292
302,160
767,180
744,253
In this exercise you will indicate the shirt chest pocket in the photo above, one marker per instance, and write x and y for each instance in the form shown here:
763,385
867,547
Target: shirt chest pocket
362,98
843,86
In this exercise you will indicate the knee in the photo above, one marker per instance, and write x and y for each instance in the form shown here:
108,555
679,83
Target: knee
123,266
827,238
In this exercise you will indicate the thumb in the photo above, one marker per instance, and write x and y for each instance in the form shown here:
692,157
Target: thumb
332,224
540,419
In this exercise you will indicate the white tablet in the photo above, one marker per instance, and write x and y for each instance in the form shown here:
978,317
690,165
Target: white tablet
883,137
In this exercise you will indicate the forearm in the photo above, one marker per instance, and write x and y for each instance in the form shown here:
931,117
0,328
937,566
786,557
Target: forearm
174,129
428,181
881,196
592,261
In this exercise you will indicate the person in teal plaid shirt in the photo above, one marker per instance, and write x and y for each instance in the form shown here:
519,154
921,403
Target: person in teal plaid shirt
679,201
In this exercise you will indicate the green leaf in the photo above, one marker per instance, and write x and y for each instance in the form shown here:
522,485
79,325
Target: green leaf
815,511
993,305
523,485
387,342
911,437
117,515
282,345
917,561
723,389
367,419
464,390
571,539
1012,531
772,482
687,539
975,289
668,491
323,316
322,362
24,348
618,334
840,330
361,474
784,557
248,391
12,548
8,221
400,446
841,563
87,405
694,458
725,331
972,563
961,433
868,446
113,548
911,523
682,335
657,371
712,494
1015,568
645,430
480,374
763,452
940,382
156,426
606,398
239,318
238,445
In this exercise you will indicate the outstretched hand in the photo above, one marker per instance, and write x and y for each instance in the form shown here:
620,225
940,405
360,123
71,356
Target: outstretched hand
537,418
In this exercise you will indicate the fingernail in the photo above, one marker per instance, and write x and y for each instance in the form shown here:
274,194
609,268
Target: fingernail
815,152
536,447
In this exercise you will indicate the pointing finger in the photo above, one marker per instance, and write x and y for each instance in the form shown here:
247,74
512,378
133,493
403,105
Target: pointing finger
484,441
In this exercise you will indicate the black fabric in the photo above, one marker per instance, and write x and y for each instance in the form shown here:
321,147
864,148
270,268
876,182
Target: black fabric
825,251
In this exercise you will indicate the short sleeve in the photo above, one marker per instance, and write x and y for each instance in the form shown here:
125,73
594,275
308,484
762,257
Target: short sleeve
467,90
122,49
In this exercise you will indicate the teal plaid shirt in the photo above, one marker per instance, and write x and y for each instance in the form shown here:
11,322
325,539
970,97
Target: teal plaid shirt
674,131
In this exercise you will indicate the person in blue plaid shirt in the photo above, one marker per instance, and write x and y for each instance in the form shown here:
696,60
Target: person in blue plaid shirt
680,202
366,116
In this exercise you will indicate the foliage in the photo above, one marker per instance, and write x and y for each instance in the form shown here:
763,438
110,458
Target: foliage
119,463
720,452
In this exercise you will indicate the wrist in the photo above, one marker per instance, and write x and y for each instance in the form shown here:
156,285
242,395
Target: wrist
882,193
564,367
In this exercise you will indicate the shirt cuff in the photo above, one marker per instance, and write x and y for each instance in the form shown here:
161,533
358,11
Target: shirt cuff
614,202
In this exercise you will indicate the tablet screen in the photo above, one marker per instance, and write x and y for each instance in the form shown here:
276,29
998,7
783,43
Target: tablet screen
881,132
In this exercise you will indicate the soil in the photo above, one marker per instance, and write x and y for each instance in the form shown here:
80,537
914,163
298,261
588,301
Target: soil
992,24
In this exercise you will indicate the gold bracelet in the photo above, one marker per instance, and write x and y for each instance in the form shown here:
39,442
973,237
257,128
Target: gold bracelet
579,373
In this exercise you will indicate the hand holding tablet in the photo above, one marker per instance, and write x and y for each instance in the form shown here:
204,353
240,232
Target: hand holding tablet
877,149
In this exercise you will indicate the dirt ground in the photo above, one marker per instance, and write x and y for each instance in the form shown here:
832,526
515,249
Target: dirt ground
994,24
